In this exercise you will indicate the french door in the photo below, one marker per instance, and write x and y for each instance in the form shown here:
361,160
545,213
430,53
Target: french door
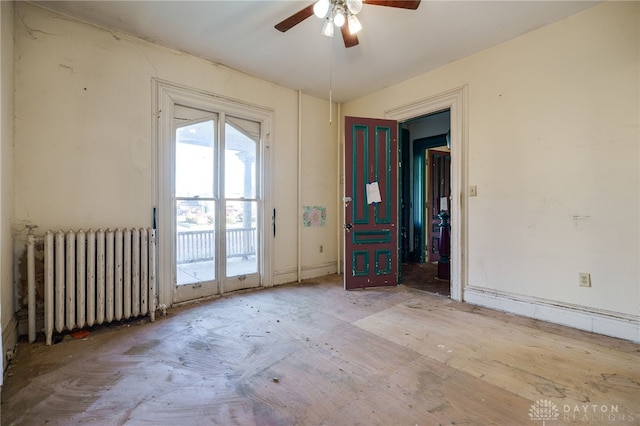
216,203
211,188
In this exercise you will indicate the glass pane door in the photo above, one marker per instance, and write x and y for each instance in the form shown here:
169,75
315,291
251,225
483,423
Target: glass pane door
196,204
211,154
216,192
241,140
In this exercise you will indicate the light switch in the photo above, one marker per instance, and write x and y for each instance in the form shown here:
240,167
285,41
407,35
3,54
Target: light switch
473,191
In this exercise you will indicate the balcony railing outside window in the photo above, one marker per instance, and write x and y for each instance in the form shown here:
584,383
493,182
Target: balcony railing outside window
199,246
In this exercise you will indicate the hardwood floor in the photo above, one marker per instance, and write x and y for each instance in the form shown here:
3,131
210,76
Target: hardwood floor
314,354
424,276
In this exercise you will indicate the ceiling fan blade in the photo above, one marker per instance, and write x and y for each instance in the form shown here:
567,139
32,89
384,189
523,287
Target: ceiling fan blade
294,19
409,4
350,40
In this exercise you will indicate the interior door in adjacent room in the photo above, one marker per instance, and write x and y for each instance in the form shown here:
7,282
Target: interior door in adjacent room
371,203
439,196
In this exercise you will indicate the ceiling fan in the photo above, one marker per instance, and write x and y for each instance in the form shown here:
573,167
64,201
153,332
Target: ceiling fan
342,14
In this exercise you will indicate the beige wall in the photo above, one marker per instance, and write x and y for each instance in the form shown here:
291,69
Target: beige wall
8,334
319,167
84,148
553,140
552,135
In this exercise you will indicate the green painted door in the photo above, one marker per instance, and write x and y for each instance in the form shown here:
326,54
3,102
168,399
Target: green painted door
371,203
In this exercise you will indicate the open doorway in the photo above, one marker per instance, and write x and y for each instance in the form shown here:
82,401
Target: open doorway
454,101
426,202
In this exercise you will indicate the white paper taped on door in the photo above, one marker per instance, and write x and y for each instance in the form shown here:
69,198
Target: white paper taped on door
373,193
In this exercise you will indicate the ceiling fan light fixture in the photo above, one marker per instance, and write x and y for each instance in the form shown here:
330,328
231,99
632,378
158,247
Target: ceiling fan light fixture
354,6
321,8
339,13
354,25
327,28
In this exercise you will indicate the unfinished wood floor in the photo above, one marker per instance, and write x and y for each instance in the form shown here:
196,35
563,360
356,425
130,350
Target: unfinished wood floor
313,354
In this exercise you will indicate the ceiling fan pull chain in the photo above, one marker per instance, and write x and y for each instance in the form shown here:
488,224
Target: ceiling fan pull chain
330,79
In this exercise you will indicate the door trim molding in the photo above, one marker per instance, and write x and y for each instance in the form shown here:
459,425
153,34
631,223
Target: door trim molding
455,100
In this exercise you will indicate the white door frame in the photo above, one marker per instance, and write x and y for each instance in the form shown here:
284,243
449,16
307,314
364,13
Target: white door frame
165,96
454,100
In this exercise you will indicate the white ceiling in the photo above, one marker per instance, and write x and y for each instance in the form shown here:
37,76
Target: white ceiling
395,44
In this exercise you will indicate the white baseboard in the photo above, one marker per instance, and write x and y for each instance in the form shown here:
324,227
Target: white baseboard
9,340
608,323
284,277
320,270
307,272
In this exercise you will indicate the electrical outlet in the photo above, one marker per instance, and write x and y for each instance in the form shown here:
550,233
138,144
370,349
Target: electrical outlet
585,279
321,248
